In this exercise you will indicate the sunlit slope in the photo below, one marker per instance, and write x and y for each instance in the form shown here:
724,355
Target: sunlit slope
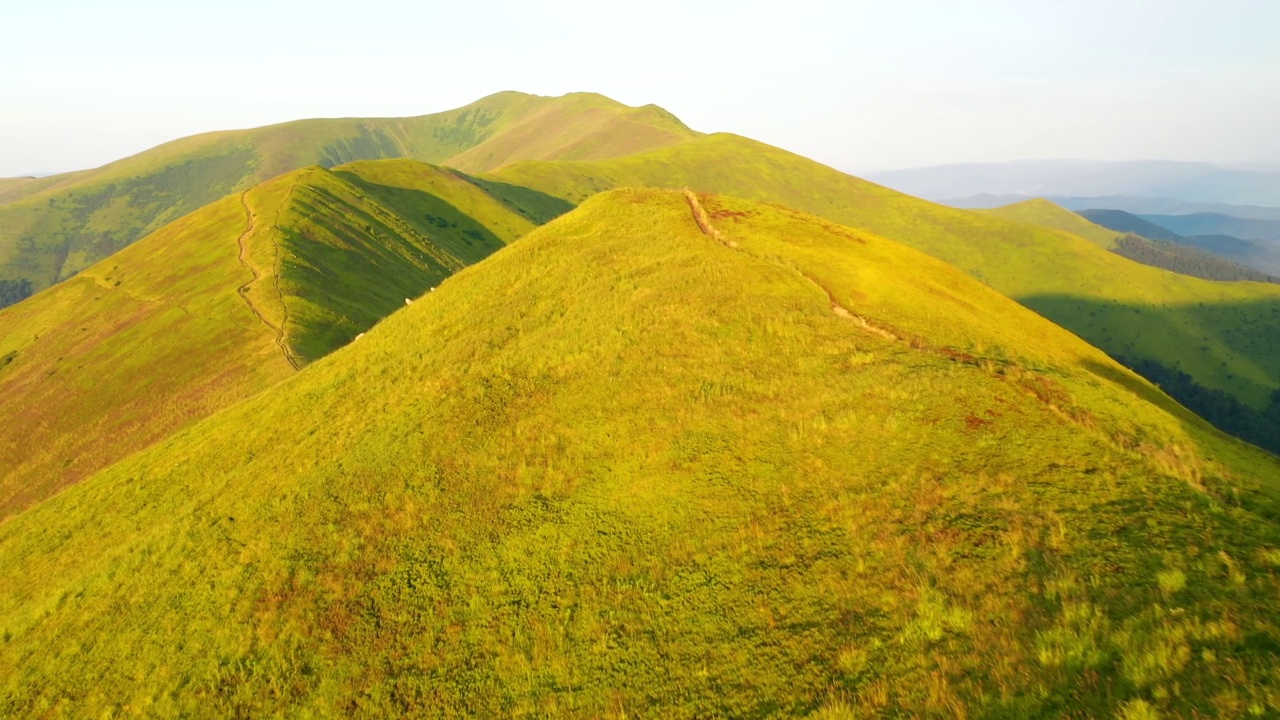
626,468
10,187
1051,215
1225,335
127,351
76,219
220,304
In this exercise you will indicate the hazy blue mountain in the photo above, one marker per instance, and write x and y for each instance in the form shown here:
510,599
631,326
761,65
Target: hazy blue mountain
1121,221
1191,182
1259,255
1218,224
1136,205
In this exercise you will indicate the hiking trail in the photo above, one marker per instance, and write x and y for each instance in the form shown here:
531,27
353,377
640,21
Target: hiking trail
704,224
243,290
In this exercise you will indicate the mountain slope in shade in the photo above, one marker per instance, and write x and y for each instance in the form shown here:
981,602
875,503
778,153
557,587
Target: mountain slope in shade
876,488
224,303
1126,222
53,227
1222,334
1263,257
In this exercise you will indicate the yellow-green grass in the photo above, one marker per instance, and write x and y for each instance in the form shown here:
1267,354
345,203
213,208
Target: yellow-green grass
159,335
1051,215
623,469
1224,335
127,351
10,187
54,227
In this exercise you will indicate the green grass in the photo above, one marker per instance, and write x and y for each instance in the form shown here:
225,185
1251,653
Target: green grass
622,469
1222,334
53,227
157,336
1047,214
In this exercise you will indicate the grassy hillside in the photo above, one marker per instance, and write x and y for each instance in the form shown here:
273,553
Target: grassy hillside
11,186
1048,214
1222,334
874,487
119,356
53,227
220,304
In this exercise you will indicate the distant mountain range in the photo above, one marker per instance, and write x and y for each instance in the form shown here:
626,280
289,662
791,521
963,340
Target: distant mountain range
1218,224
1260,255
1135,205
1186,181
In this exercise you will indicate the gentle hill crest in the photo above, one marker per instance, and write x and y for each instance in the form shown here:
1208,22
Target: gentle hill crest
1224,335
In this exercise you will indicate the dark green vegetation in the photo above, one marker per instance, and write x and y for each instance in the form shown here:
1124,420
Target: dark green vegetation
53,227
220,304
1186,260
12,291
1262,257
624,468
1222,334
1260,427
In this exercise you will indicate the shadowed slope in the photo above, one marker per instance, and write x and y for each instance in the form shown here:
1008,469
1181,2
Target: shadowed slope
218,305
1020,260
625,468
52,227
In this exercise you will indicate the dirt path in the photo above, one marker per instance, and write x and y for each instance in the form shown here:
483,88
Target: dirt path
704,224
243,290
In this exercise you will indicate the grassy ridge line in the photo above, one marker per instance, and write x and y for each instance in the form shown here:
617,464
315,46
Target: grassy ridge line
11,186
472,513
219,305
243,257
1048,214
53,227
1219,333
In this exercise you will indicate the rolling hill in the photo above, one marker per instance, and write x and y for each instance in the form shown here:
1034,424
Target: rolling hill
55,226
1218,224
668,457
1263,257
1121,233
1137,205
227,301
1224,335
1122,221
1048,214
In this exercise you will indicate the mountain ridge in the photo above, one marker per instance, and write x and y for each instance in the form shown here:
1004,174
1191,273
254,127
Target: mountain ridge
52,227
472,512
226,301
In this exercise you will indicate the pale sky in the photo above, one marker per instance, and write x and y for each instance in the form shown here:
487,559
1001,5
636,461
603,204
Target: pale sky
859,85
